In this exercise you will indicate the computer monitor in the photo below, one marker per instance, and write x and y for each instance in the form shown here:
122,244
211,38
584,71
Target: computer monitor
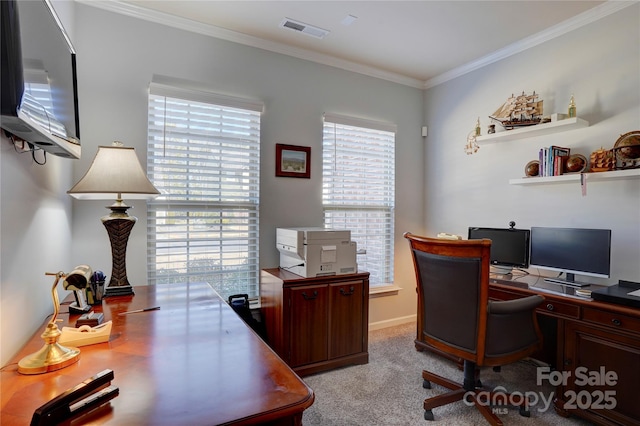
509,247
572,251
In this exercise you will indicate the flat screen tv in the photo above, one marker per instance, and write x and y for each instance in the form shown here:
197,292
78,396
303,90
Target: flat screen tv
509,247
572,251
39,95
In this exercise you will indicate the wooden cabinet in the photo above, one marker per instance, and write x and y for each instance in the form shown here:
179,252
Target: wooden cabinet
603,348
317,323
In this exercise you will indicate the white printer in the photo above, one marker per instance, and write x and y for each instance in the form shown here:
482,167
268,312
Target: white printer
314,252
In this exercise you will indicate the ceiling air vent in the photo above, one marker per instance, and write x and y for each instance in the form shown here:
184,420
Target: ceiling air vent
303,28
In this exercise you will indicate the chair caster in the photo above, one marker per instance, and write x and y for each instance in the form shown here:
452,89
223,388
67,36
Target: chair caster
426,384
428,415
524,412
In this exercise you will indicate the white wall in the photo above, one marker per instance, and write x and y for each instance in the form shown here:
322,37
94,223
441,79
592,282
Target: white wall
35,232
35,237
117,56
600,65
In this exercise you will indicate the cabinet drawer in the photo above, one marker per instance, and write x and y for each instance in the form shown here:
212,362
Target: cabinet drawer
553,307
548,306
610,319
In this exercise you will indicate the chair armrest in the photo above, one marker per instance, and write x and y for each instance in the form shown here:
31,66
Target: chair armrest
505,307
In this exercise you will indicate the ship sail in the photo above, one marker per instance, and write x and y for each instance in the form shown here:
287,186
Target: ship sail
517,111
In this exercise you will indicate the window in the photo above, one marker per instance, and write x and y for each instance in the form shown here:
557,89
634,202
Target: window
358,193
204,157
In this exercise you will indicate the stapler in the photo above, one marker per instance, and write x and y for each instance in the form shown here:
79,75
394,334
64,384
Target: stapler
88,395
85,335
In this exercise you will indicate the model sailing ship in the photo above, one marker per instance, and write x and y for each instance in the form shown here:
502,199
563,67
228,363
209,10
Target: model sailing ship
519,111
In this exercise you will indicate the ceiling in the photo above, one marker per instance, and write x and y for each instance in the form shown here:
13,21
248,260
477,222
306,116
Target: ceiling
412,42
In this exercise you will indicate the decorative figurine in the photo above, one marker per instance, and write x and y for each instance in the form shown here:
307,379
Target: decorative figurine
627,151
472,146
478,127
601,160
492,129
519,111
532,168
572,108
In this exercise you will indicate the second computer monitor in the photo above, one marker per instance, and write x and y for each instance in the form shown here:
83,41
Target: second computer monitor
509,246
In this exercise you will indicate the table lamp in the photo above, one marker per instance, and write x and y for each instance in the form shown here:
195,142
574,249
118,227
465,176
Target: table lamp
53,356
116,173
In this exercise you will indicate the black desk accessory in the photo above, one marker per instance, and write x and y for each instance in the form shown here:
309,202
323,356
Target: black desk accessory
92,319
88,395
619,294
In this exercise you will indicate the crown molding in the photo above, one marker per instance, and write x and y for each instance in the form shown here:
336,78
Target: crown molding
236,37
585,18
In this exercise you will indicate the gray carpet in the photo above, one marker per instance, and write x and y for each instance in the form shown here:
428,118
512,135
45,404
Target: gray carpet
388,390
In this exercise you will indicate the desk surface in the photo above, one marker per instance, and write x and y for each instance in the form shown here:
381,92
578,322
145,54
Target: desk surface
194,361
535,284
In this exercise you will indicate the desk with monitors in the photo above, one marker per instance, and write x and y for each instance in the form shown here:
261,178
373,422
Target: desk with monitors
582,336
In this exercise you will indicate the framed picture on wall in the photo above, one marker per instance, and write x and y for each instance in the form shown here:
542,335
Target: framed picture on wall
293,161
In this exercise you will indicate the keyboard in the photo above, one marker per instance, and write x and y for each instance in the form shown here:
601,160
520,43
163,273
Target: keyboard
567,283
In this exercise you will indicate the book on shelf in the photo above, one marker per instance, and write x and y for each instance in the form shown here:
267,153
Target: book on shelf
552,160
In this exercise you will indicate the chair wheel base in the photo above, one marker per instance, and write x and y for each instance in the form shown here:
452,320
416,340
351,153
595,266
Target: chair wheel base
426,384
428,415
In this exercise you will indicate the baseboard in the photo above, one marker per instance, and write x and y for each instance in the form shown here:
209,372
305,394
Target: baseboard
392,322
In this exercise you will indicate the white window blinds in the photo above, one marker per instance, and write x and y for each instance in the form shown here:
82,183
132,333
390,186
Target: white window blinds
358,158
204,157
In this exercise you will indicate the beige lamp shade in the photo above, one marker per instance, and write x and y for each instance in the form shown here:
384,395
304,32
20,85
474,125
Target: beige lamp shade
114,173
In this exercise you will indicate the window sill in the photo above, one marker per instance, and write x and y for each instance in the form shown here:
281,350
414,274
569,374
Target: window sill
383,290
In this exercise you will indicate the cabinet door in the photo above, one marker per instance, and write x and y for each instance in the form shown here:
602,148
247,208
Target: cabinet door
309,326
593,349
345,319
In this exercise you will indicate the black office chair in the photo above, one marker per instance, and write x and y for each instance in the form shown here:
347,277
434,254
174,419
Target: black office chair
455,316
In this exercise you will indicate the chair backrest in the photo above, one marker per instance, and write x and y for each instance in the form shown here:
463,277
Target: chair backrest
453,292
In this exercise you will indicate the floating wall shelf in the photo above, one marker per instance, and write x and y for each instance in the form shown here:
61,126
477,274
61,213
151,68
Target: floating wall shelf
537,130
575,177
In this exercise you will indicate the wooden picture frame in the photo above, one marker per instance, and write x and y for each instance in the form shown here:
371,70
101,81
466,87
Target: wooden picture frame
293,161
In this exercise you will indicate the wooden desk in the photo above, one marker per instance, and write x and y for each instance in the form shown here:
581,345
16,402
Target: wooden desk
582,333
193,362
586,334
